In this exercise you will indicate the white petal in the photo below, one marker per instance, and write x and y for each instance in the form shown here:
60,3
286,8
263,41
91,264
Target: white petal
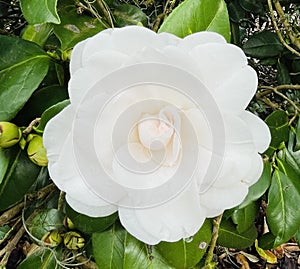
223,68
259,130
101,64
178,218
256,169
76,56
200,38
96,210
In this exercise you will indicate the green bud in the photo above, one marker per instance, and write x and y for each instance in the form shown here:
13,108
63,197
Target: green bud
10,134
36,151
53,238
68,224
73,240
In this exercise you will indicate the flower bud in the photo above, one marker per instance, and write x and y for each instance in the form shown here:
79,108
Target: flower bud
73,240
68,223
36,151
10,134
53,238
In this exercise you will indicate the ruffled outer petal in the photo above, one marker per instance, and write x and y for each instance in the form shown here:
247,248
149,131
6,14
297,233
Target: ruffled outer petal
178,218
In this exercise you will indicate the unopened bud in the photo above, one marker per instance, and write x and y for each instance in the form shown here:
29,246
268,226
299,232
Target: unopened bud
73,240
68,224
36,151
10,134
52,238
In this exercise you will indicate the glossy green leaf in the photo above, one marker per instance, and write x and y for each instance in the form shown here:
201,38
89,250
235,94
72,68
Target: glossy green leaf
50,113
278,124
38,33
259,188
108,247
23,65
40,11
244,217
283,74
230,237
263,45
187,253
297,236
41,259
235,11
4,162
129,15
255,6
74,27
117,249
40,101
88,224
45,221
198,15
19,176
283,203
266,241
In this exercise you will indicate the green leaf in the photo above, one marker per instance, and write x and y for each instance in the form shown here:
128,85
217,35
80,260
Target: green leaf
39,102
74,27
19,176
198,15
117,249
259,188
231,238
42,259
263,45
283,74
235,11
23,65
40,11
283,203
244,217
50,113
278,123
266,241
47,220
187,253
88,224
3,231
38,33
255,6
108,247
129,15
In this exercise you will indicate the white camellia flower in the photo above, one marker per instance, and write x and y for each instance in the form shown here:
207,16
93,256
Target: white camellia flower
157,130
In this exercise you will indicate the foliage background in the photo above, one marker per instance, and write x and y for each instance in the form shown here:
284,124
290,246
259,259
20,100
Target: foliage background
36,41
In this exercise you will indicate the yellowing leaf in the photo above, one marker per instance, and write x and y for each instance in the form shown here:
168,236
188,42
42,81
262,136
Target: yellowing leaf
266,254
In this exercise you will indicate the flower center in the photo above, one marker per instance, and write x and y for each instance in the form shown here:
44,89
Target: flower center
160,133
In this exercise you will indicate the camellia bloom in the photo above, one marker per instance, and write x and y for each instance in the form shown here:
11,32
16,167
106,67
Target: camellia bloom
157,130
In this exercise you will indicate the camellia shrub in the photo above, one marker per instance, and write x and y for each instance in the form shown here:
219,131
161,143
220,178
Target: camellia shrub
149,134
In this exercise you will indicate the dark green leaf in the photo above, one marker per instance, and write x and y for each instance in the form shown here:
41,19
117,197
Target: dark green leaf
230,237
244,217
259,188
23,65
19,176
88,224
263,45
266,241
74,27
283,74
297,236
38,33
45,221
278,124
283,202
198,15
255,6
40,11
50,113
187,253
129,15
108,247
40,101
236,12
41,259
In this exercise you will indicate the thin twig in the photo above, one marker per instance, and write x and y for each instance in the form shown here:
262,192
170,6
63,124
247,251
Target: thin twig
31,125
278,31
105,12
215,233
61,201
